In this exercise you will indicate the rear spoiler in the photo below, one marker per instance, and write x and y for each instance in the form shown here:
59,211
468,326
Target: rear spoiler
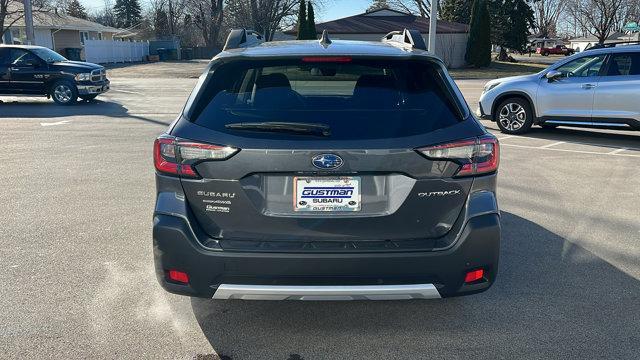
406,38
242,38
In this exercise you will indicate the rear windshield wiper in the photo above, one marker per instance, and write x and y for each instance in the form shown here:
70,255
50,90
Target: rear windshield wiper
291,127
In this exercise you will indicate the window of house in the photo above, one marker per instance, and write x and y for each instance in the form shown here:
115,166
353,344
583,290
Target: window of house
84,35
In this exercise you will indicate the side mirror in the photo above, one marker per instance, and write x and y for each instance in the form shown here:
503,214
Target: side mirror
553,75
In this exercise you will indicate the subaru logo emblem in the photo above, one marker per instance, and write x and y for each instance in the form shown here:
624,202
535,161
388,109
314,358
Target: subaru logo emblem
327,161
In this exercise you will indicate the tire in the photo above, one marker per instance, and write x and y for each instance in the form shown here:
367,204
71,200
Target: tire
514,116
545,54
88,97
64,92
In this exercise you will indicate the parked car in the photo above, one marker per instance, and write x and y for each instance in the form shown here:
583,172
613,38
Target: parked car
596,88
36,70
557,50
320,170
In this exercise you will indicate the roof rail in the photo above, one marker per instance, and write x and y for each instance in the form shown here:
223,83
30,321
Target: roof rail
406,38
242,38
612,44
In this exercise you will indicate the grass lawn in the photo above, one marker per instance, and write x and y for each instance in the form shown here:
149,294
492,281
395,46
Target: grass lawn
497,69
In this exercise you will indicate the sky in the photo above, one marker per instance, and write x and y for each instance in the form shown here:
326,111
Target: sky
330,10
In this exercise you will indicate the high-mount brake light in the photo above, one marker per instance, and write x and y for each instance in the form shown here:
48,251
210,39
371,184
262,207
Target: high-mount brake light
333,59
477,156
177,157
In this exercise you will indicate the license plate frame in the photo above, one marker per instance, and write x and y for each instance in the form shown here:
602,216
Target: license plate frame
338,194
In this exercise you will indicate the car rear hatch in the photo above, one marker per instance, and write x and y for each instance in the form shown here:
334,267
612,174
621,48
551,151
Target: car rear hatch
326,151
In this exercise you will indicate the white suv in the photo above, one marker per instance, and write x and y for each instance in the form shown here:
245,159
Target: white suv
595,88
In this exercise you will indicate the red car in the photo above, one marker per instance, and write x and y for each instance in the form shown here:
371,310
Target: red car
557,50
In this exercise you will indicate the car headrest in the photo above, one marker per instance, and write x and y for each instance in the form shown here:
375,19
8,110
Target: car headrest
375,81
375,92
276,80
614,69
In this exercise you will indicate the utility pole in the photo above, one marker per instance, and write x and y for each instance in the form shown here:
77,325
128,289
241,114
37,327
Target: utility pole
28,22
433,21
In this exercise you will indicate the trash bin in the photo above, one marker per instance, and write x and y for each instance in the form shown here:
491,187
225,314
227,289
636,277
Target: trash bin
173,54
73,54
163,54
187,54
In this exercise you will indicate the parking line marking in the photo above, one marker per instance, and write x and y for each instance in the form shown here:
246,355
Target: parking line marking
127,91
571,151
552,145
56,123
617,151
505,137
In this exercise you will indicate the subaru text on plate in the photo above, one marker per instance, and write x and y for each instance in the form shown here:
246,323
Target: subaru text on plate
36,70
320,170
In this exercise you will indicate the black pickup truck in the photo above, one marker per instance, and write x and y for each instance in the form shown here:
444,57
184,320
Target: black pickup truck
36,70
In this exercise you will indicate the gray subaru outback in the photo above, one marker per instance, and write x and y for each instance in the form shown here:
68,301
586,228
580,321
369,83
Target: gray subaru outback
326,170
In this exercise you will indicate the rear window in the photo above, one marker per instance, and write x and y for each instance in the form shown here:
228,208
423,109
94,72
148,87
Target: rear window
357,99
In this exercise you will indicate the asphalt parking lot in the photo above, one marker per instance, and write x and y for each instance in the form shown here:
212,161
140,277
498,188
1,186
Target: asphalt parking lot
78,282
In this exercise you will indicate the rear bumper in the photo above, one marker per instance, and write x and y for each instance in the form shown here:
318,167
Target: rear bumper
332,276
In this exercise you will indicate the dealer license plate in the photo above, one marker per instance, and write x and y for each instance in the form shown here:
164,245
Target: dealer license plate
326,194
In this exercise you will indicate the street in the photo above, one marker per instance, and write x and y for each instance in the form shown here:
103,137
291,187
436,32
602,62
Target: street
78,279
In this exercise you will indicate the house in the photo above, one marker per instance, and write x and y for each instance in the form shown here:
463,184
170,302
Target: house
59,31
585,42
451,38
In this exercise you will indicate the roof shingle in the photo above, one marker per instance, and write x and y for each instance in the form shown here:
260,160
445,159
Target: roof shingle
369,23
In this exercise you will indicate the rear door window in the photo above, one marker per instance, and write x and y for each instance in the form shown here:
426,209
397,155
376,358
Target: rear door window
4,57
624,64
357,99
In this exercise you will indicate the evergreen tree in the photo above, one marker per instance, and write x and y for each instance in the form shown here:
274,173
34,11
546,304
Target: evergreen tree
479,43
75,9
128,13
511,20
312,33
377,5
456,11
302,20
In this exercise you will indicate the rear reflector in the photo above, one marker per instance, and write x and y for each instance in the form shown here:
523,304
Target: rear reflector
473,276
476,156
333,59
178,276
178,157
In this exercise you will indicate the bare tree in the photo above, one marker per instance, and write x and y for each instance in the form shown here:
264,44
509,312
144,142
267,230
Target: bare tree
12,11
597,17
546,14
264,16
417,7
104,15
207,16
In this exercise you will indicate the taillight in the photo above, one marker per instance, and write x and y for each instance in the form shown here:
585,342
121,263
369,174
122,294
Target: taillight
476,156
177,157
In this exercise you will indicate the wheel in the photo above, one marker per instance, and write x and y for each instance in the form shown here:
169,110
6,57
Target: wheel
514,116
545,54
64,92
88,97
